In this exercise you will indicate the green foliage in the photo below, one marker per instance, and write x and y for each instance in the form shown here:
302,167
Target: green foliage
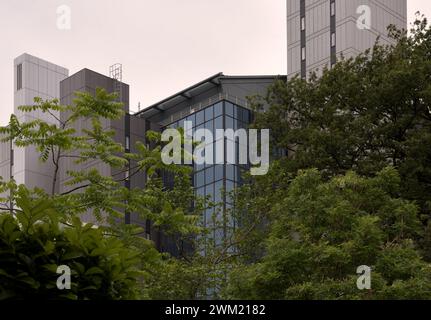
364,114
114,260
320,232
34,243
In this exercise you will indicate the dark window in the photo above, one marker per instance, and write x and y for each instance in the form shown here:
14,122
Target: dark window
219,172
218,192
19,77
333,33
303,38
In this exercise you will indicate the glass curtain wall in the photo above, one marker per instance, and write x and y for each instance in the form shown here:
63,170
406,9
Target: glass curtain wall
210,180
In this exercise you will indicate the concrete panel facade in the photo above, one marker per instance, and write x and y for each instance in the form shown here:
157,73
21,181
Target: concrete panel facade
34,77
128,130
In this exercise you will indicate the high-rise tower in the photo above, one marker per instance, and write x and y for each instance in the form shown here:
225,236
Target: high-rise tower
34,77
320,31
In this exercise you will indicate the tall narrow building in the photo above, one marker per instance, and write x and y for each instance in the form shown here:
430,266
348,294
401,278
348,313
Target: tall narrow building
320,31
34,77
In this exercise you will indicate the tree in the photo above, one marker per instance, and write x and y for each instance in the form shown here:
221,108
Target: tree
355,188
105,261
33,245
321,231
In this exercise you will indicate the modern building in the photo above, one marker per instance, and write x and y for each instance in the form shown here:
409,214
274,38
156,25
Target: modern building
5,169
219,102
128,130
34,77
320,31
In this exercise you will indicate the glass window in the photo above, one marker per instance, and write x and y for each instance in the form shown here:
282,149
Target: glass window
127,143
192,118
230,172
199,167
302,23
240,113
229,123
246,116
200,192
218,175
209,175
235,111
218,186
238,174
202,126
19,77
240,125
209,113
200,117
218,109
181,123
209,192
303,53
209,217
229,188
210,126
174,125
229,109
218,123
200,179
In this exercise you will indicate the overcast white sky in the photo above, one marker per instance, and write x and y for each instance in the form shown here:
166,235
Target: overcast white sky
164,45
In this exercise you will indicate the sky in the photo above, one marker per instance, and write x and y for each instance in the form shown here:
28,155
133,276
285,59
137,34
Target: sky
163,45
